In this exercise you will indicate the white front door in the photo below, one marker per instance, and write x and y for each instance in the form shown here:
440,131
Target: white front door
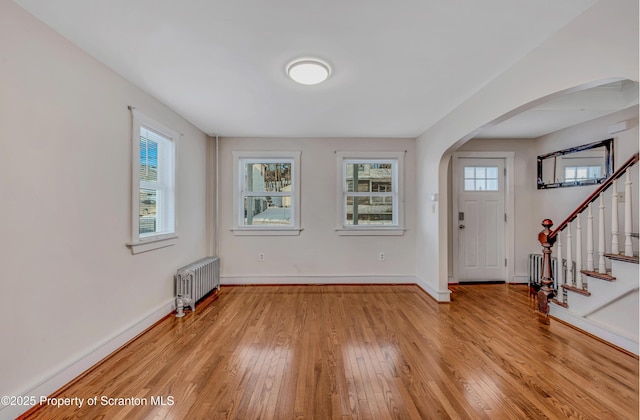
480,219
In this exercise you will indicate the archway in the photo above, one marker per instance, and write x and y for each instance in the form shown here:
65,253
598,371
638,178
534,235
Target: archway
515,133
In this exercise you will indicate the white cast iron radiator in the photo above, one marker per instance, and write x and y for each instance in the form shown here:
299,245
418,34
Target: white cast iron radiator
194,281
535,269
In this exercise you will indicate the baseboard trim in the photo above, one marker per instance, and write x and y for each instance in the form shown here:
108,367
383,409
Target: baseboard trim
520,279
594,329
439,296
68,374
467,283
514,280
290,280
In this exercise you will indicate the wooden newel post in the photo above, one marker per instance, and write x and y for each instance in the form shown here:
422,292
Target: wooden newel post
546,292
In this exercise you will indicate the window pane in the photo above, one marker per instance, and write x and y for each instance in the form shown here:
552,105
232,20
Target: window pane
148,214
469,172
364,186
582,173
481,185
383,185
492,172
492,185
268,177
570,174
469,185
374,176
481,172
350,186
267,210
148,160
380,177
369,211
355,172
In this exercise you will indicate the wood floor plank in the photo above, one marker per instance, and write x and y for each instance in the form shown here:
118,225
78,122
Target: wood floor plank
361,352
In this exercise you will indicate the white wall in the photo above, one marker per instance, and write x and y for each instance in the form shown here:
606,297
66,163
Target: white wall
69,283
600,45
318,254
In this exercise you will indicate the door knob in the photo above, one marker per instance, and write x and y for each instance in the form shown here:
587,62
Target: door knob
461,226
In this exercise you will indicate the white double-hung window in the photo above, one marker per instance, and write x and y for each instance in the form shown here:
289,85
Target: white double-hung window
153,184
266,193
370,200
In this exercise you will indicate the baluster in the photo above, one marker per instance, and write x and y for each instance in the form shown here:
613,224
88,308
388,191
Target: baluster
570,279
560,276
602,268
578,252
615,248
589,239
628,228
559,269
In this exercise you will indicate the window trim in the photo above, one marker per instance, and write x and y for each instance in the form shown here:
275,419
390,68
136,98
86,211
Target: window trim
239,228
148,242
342,228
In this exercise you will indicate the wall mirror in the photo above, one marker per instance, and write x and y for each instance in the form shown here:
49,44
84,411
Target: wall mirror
582,165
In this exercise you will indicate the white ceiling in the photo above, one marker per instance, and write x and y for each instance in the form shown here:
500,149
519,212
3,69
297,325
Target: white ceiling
398,67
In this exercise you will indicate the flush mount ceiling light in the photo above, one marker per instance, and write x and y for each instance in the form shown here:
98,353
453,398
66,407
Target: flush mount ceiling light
308,71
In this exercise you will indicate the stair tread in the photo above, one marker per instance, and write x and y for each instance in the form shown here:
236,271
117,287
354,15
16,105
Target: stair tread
576,289
557,302
598,275
620,257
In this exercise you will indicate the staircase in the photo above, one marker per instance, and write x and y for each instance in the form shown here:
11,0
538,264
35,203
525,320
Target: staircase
598,292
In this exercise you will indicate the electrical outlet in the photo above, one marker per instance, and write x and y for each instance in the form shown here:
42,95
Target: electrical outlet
381,256
261,256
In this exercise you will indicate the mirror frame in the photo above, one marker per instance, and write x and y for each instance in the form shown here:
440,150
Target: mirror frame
608,164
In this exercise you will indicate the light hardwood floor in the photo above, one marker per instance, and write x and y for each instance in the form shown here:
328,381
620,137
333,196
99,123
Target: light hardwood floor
370,352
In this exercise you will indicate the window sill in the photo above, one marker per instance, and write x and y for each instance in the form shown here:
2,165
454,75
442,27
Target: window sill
370,231
152,243
270,231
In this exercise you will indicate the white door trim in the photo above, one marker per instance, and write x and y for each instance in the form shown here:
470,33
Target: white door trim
509,202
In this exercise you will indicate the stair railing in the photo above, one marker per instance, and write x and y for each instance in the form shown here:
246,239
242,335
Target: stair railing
549,237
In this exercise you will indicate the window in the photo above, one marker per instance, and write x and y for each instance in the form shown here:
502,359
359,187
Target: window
370,191
153,179
481,178
266,193
581,173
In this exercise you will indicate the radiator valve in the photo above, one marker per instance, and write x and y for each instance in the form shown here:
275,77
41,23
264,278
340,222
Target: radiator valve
179,307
